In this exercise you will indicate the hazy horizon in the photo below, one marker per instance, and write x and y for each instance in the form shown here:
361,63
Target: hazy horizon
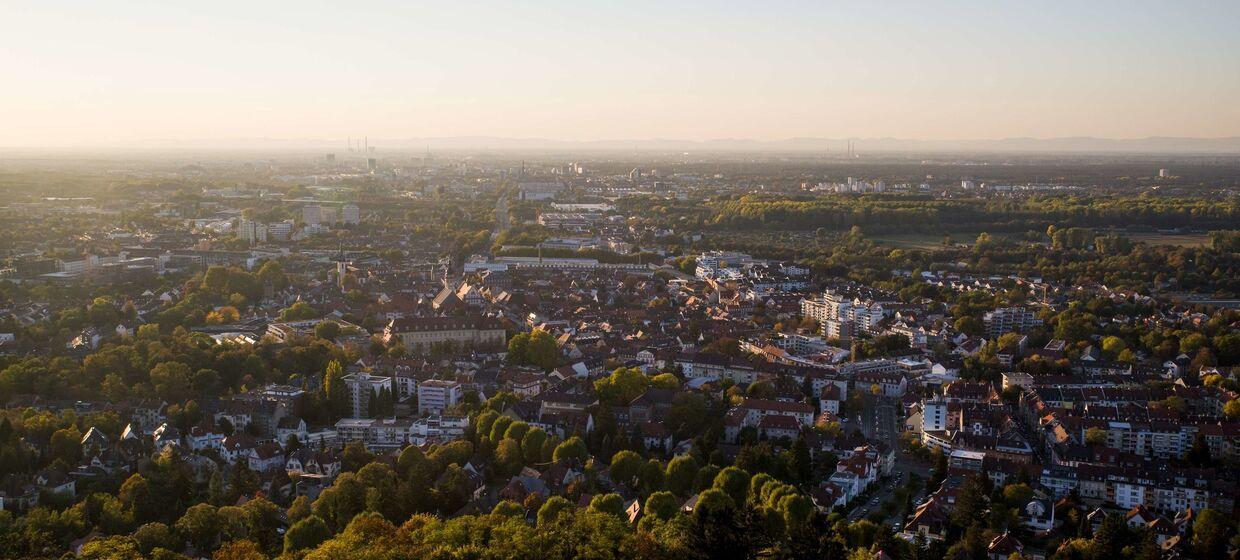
565,73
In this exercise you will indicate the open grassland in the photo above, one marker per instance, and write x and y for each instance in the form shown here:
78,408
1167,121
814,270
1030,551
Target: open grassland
1182,239
935,240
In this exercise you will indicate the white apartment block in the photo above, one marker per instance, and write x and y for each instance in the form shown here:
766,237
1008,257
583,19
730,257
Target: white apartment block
363,387
437,395
1010,319
841,316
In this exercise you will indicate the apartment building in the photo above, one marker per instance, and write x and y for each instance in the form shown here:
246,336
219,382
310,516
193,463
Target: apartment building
363,387
1010,319
437,395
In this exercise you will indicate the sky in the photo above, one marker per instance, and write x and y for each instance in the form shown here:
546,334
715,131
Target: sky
112,73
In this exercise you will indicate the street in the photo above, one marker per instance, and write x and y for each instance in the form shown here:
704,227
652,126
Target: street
880,421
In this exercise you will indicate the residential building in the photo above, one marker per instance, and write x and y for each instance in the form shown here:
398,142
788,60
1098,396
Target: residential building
437,396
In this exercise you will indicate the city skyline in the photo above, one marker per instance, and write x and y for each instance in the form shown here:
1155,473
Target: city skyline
109,76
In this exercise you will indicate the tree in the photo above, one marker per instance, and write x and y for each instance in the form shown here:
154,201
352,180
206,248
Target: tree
532,445
172,381
300,311
483,422
661,505
223,316
608,503
111,548
1095,436
200,525
1199,454
1111,536
516,431
299,509
102,311
713,501
307,533
705,478
1192,343
665,381
624,467
1113,345
551,509
452,490
543,350
327,330
216,488
796,510
518,349
1017,495
272,274
1227,346
971,503
1174,403
680,475
537,348
336,391
239,550
801,463
1203,358
508,457
64,445
1232,409
498,428
508,508
135,495
1210,533
457,452
689,414
622,386
734,482
354,457
571,448
650,476
263,520
411,461
156,535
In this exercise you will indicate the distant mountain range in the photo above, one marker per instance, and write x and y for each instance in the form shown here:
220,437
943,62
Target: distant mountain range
1079,144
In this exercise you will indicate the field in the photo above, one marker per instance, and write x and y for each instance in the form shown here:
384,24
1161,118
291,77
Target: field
927,241
1184,239
935,240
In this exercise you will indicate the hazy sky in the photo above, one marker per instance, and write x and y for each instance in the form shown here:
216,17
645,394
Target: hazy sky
104,73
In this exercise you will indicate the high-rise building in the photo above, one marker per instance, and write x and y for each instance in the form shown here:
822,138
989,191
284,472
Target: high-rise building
331,158
437,395
251,231
350,214
312,215
280,231
372,164
934,415
363,387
